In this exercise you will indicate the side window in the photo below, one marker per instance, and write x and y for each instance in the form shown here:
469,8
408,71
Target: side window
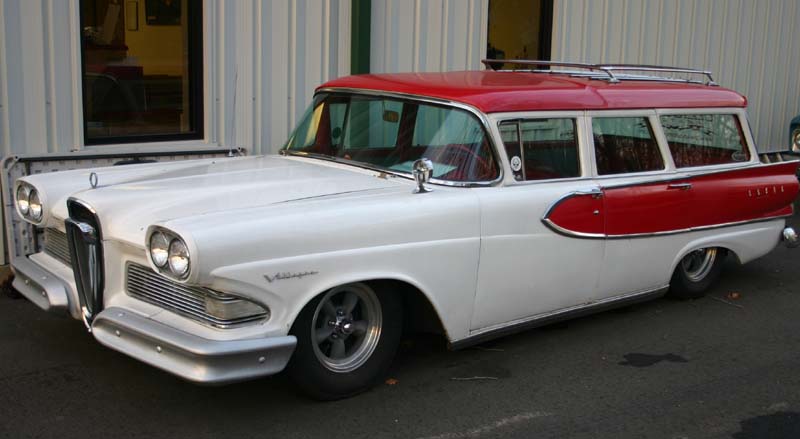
624,145
542,149
704,139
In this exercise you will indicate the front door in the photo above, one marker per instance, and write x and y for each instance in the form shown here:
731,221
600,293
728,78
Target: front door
527,267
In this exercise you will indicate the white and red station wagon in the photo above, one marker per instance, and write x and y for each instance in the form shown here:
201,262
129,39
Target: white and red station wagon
480,203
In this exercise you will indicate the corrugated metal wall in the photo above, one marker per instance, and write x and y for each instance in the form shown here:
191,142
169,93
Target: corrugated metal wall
271,55
262,60
427,35
752,47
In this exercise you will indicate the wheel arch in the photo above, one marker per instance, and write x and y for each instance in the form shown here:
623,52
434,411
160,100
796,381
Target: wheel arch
421,312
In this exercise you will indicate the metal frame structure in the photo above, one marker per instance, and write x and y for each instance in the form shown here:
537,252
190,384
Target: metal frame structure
610,72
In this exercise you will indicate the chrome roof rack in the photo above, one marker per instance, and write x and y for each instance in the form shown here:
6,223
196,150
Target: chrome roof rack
609,72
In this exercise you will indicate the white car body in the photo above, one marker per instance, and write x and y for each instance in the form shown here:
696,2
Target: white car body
281,230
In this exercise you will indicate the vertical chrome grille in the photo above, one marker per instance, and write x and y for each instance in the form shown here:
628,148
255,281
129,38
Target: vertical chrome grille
86,253
55,245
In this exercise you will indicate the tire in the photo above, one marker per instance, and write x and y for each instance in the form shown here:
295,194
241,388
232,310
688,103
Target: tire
696,272
346,341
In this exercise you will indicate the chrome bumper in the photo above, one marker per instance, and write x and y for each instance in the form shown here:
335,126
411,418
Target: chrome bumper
789,237
39,286
188,356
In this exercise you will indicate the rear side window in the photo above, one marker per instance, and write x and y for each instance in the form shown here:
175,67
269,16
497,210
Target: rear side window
704,139
625,145
542,149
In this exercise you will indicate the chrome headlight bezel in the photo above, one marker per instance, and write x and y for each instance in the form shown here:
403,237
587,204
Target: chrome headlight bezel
30,210
176,248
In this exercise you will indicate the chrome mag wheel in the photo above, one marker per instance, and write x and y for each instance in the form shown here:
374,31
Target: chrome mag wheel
699,263
346,327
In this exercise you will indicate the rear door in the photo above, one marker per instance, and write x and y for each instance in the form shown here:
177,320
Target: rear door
643,197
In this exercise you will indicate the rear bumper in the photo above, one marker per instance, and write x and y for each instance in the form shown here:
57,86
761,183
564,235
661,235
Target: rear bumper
188,356
40,286
789,237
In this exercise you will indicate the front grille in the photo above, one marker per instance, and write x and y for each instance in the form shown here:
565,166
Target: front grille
85,241
55,245
147,285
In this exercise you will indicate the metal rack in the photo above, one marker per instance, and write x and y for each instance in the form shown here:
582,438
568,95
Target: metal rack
609,72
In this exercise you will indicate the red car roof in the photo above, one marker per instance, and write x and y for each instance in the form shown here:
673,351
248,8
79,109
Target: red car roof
494,92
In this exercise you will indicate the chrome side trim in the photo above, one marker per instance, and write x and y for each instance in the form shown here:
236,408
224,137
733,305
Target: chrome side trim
688,173
188,356
409,96
573,234
594,191
484,334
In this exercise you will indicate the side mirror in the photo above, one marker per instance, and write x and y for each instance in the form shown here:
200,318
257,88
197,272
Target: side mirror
422,171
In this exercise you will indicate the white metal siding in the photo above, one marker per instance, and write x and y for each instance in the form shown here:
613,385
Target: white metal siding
427,35
752,47
262,61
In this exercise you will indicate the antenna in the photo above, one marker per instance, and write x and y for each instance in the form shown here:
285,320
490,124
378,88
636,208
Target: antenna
233,112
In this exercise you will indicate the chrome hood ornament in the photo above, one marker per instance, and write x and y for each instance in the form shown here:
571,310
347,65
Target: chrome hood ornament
93,179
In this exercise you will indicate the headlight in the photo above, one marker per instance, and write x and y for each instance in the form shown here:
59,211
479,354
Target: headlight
23,199
178,258
796,140
169,253
35,206
159,249
29,203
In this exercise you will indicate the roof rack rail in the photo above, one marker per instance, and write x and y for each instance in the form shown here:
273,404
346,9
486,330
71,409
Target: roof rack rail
610,72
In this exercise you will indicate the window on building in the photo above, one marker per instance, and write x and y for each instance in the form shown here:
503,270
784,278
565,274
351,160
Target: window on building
549,148
704,139
624,145
519,29
142,70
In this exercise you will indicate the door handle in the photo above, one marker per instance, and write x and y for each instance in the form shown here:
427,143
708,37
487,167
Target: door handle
681,186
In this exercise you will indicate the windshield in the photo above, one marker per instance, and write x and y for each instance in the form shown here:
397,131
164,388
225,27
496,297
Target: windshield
391,134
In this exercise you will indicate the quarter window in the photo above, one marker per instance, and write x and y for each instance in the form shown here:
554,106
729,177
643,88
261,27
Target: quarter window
704,139
625,145
142,70
542,149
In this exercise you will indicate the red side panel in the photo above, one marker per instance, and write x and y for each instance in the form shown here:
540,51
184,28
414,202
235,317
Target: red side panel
578,213
744,195
706,200
647,208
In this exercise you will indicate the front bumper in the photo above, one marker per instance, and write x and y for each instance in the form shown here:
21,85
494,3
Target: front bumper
188,356
39,286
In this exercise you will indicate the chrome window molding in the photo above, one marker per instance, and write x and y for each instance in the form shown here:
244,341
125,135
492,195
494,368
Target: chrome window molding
484,120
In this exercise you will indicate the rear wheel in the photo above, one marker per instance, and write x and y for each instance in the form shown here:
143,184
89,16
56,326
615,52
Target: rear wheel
346,340
696,272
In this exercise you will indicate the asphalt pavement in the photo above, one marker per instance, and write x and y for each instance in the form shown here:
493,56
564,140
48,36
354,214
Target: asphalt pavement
725,366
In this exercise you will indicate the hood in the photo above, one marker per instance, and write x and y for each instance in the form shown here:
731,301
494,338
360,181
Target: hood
127,202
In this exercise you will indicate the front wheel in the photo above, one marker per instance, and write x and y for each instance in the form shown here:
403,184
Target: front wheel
696,272
346,340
